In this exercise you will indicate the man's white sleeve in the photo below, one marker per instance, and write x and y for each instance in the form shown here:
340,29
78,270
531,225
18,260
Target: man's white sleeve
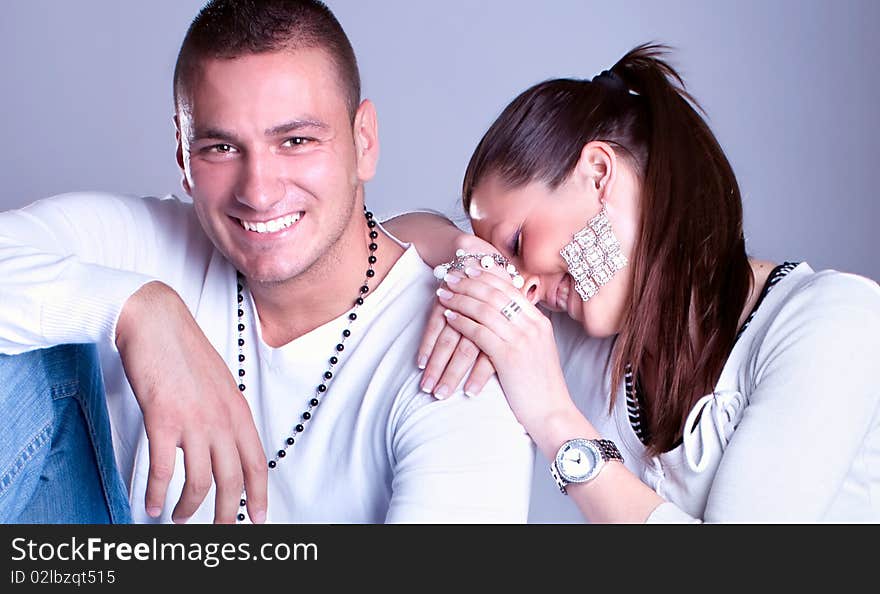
69,263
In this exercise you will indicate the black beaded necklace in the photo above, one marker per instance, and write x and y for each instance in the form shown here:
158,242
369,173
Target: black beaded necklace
321,389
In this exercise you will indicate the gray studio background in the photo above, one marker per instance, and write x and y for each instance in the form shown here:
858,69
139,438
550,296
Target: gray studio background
790,87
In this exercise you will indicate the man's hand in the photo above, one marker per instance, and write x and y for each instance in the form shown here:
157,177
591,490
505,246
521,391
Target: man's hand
189,400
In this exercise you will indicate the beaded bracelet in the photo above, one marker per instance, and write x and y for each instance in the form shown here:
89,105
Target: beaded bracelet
486,261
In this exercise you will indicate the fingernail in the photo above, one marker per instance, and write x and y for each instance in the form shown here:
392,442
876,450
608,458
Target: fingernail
443,294
442,392
154,512
473,271
469,391
423,361
451,279
180,520
259,516
450,315
428,384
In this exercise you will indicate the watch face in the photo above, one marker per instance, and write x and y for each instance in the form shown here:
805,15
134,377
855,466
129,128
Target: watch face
578,461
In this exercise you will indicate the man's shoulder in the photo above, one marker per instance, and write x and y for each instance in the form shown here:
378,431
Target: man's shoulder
407,291
404,307
114,211
118,200
490,403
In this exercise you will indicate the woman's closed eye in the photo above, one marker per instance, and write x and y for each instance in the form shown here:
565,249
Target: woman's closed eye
516,243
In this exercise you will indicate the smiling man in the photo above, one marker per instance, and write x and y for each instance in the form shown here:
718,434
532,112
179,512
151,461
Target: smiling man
260,337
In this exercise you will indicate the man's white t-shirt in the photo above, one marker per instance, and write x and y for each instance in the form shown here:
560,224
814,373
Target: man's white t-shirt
377,449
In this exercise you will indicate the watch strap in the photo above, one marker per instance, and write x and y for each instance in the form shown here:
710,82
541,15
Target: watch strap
560,482
608,449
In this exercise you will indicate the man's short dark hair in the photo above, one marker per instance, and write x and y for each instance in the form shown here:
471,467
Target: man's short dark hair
226,29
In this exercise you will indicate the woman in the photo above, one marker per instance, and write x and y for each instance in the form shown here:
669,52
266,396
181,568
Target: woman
732,388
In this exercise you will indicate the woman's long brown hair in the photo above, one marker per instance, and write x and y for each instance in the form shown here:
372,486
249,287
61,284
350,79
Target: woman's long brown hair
691,275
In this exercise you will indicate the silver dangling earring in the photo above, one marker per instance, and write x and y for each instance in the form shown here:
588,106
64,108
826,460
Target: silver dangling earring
594,255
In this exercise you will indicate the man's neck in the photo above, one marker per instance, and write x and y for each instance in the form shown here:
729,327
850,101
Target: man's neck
326,290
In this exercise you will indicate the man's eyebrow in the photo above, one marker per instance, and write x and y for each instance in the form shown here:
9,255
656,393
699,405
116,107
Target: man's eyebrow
295,125
213,133
280,129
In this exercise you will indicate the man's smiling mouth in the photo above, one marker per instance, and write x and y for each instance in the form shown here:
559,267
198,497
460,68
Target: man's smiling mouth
272,225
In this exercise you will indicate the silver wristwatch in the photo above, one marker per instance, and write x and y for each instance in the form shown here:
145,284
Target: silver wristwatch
581,460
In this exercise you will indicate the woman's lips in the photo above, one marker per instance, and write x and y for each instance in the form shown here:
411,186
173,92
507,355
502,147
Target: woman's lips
563,290
557,299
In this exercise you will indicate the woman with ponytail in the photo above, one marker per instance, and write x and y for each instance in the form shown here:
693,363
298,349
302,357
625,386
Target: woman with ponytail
663,374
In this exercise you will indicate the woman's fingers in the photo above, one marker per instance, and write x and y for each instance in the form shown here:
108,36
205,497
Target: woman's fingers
480,375
487,341
442,352
492,302
462,359
487,313
492,314
493,289
445,356
436,324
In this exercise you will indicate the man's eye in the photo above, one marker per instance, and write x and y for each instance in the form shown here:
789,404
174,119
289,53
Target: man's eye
296,141
221,148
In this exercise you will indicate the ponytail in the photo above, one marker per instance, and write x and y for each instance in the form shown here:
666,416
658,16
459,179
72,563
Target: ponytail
691,274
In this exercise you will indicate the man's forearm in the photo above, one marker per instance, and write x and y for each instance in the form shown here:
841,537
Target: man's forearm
50,299
67,266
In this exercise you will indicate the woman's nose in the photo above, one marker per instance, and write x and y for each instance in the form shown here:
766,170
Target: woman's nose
533,288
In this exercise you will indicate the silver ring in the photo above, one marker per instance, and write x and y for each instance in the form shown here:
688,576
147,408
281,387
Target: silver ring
510,310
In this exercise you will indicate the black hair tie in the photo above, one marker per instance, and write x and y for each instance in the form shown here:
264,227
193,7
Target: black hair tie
610,80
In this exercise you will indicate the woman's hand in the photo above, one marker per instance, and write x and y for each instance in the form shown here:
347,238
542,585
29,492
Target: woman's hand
520,345
443,353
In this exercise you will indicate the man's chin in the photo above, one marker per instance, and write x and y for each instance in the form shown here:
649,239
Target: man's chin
268,274
269,278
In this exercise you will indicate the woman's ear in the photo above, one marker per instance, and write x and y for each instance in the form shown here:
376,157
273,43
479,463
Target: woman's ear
596,168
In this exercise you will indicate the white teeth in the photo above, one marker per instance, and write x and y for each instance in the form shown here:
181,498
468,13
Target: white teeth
562,294
271,226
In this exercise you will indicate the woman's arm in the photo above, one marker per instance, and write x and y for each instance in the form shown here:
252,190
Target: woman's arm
436,238
523,351
814,406
813,409
616,495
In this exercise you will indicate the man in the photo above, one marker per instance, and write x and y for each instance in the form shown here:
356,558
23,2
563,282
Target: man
319,328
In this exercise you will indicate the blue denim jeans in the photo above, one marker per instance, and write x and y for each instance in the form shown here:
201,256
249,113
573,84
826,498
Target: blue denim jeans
56,452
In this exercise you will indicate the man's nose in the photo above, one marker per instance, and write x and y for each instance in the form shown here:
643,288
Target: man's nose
260,185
